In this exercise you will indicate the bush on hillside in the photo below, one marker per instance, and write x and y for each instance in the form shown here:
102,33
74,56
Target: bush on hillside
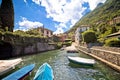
89,37
112,42
59,45
67,42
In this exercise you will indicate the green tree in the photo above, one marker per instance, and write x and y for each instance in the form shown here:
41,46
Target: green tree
113,42
55,38
34,32
19,32
102,28
89,37
7,14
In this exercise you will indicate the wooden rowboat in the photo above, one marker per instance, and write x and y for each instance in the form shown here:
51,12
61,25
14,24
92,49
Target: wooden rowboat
44,72
21,73
81,61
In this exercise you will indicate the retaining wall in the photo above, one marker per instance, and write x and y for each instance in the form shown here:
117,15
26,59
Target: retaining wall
22,45
109,57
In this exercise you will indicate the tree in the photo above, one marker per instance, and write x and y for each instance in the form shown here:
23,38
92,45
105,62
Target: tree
102,28
89,37
112,42
55,38
7,15
34,32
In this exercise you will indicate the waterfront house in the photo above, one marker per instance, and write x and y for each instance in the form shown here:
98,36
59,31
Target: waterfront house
62,37
115,21
78,36
78,32
45,32
84,27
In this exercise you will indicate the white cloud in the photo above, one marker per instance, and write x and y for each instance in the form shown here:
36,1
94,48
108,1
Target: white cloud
66,11
25,1
26,24
94,3
58,31
63,11
37,1
60,28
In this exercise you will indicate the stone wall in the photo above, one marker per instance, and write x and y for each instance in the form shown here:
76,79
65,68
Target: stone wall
114,49
109,57
32,48
113,57
22,45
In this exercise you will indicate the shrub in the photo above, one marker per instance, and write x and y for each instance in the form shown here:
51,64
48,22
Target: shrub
67,42
59,46
112,42
89,37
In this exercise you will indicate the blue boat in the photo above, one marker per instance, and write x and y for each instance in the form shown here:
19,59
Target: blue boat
21,73
44,72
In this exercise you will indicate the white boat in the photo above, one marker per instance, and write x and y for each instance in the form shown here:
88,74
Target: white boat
81,61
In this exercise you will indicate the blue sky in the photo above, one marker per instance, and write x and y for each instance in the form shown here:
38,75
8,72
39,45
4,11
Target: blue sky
56,15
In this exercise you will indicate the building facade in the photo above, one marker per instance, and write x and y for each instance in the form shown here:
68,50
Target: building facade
78,32
115,21
45,32
62,37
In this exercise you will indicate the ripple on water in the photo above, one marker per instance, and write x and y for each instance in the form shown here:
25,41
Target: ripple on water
63,71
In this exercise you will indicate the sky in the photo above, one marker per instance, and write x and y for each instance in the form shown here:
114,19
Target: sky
56,15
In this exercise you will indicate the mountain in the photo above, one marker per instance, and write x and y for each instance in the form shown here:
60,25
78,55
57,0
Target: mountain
100,4
102,13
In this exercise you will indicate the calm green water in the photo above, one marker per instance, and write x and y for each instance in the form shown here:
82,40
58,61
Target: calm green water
63,70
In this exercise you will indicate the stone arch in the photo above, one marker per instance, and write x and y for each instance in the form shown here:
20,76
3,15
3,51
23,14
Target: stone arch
6,50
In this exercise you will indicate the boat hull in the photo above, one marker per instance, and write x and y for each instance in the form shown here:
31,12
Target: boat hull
81,61
44,72
72,51
21,73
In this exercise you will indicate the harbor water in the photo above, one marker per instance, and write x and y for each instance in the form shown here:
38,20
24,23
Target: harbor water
64,70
